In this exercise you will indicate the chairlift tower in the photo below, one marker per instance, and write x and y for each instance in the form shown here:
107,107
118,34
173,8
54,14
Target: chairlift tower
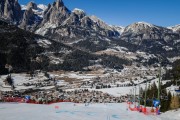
145,95
159,81
135,96
139,95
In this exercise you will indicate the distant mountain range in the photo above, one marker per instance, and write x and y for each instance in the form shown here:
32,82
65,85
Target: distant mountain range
82,32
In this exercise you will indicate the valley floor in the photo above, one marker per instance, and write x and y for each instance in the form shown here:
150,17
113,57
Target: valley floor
71,111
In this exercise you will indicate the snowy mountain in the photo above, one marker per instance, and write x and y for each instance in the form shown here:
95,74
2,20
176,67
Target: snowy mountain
42,7
120,29
58,22
32,15
144,31
100,23
69,24
175,28
37,9
78,11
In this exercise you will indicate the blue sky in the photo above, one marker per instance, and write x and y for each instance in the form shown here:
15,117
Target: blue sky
125,12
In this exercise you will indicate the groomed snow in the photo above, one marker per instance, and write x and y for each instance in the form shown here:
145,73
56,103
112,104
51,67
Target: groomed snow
71,111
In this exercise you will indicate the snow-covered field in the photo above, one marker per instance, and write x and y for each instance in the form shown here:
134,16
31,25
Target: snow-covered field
69,111
118,91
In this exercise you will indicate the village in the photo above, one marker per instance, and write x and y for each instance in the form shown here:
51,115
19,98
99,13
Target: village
42,87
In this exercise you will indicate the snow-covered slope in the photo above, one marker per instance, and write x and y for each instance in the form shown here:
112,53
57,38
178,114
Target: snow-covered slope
71,111
137,27
139,31
175,28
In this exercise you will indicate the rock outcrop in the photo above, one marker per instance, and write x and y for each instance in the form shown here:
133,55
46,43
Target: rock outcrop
10,10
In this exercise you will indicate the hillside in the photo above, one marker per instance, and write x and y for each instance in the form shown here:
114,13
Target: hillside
27,51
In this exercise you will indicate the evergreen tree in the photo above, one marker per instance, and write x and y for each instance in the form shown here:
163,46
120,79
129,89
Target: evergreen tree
164,101
169,100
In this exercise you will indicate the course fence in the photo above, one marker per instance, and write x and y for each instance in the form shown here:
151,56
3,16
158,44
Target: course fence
22,100
142,109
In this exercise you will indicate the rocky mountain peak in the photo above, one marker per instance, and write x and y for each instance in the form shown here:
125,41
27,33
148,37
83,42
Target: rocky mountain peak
100,22
137,32
33,15
95,18
144,23
57,16
139,26
28,19
59,3
10,10
56,13
32,5
79,12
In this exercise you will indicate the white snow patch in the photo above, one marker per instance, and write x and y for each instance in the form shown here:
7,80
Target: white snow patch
42,6
78,11
44,43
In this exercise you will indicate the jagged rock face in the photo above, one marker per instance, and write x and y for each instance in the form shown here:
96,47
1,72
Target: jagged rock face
137,32
56,13
32,5
80,19
61,24
99,26
120,29
100,23
87,22
2,7
30,20
54,16
75,27
32,16
76,21
10,10
109,31
74,18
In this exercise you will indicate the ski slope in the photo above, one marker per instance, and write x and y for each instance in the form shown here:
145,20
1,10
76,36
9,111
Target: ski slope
71,111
